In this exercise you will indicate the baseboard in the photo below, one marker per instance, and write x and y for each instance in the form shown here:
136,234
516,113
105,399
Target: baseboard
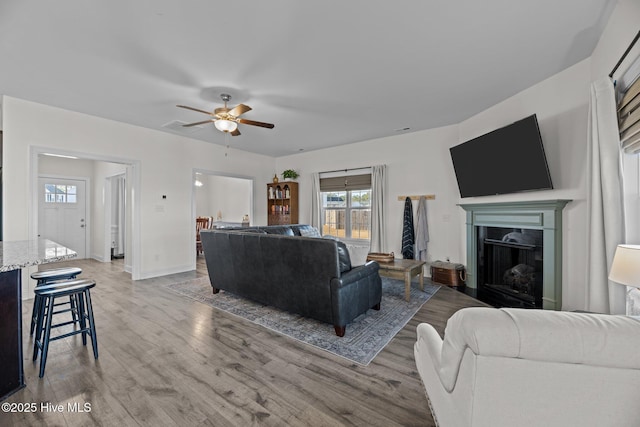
164,272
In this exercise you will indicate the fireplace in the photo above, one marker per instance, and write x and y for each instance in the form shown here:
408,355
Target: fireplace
510,266
514,253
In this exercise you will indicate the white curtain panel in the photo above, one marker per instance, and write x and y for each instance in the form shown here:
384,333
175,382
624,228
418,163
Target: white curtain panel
378,200
605,202
316,202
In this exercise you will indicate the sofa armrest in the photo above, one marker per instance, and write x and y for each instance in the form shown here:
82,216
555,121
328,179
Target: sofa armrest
428,350
357,273
354,292
429,339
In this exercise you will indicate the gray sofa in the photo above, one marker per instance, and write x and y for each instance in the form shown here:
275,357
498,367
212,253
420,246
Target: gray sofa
292,268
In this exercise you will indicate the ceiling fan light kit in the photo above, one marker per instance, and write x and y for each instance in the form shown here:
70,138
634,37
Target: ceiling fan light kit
225,125
225,119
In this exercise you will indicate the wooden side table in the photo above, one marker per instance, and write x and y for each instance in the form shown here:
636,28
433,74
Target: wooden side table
404,269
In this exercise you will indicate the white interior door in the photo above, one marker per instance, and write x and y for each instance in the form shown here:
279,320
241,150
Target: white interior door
62,212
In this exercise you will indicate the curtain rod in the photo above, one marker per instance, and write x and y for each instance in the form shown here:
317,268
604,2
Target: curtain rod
347,170
624,55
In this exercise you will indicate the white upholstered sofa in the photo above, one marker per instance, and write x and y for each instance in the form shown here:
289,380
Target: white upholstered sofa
517,367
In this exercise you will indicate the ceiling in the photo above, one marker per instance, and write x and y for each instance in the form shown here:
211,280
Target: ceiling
326,73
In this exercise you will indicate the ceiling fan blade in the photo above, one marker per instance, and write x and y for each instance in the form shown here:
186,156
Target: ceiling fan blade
194,109
198,123
239,110
235,132
254,123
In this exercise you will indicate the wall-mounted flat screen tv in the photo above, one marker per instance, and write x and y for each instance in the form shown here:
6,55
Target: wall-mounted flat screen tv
508,160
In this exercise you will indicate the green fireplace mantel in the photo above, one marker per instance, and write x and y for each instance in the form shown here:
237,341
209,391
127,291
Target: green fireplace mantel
545,215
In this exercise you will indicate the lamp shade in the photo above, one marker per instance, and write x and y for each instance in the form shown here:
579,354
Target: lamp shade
625,268
225,125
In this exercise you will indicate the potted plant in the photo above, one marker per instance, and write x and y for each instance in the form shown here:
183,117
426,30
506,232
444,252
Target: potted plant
290,174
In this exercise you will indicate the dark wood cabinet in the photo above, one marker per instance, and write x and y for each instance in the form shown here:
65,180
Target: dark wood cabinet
282,203
11,372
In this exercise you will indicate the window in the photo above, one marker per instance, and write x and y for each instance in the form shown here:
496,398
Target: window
346,207
60,193
629,111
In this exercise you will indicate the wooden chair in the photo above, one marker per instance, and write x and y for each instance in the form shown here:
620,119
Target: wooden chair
201,223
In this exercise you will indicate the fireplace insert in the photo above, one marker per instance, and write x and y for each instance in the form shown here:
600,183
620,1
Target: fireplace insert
510,267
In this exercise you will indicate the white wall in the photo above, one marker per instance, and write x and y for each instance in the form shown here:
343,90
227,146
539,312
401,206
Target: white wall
417,163
618,33
59,166
165,226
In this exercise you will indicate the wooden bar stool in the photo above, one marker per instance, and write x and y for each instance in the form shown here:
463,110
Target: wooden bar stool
48,276
78,288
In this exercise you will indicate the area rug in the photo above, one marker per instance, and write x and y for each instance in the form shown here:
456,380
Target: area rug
365,337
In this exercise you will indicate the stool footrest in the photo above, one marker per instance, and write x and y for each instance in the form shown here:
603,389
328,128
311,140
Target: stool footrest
69,334
59,325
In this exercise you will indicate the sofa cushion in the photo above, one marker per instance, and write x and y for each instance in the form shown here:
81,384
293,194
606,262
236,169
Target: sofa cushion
344,260
306,231
251,230
282,231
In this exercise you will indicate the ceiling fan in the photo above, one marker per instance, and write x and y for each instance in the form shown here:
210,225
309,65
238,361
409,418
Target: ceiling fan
225,119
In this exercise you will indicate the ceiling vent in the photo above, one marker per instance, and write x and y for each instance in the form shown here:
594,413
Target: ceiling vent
177,125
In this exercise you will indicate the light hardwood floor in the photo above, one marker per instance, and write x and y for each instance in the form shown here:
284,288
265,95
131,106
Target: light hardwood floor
167,360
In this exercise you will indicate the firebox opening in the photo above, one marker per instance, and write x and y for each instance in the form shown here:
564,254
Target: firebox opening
510,266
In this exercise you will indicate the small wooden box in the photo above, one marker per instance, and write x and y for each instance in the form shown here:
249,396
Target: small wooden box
448,273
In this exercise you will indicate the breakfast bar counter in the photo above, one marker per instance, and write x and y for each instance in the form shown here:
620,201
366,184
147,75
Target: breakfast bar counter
13,257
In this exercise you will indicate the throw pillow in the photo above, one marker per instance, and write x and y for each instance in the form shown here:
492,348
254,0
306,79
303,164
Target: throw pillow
308,231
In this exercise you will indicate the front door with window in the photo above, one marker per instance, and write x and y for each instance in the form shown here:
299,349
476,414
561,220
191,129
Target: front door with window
62,212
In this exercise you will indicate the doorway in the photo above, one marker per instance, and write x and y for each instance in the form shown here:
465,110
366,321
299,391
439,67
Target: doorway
50,162
118,215
226,200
